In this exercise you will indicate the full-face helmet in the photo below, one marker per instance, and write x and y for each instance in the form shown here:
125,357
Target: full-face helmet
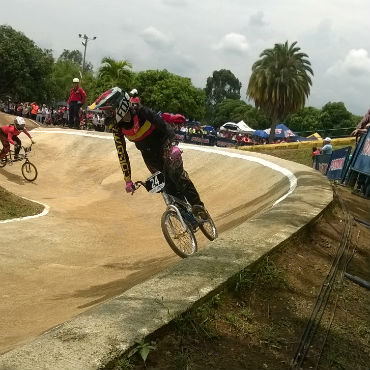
19,123
113,99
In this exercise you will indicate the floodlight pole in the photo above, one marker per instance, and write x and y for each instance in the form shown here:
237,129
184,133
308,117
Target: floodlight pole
84,43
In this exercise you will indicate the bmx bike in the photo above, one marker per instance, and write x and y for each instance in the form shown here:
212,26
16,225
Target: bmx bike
180,221
29,170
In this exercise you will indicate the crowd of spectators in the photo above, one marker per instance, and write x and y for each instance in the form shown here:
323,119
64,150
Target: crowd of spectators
51,116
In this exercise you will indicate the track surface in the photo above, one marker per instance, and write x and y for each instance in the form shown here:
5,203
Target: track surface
97,241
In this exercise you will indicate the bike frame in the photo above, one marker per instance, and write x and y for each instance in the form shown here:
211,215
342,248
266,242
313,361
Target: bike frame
171,202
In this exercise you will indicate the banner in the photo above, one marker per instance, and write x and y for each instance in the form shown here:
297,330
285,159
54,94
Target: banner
361,163
225,142
322,163
200,139
338,163
180,135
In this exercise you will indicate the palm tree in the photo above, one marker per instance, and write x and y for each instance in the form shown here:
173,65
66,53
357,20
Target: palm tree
116,73
280,82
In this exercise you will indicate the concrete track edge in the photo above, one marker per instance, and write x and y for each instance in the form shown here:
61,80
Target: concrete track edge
92,339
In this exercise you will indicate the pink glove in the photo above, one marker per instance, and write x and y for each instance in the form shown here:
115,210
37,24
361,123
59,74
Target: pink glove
130,187
175,153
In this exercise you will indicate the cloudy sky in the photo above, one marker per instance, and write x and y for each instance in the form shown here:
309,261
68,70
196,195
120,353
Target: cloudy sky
193,38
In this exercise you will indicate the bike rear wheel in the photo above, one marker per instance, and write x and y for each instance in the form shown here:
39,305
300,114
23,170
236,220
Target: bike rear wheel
182,242
206,223
29,171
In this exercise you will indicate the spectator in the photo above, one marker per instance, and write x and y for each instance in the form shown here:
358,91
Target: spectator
44,112
34,110
327,148
39,115
362,126
25,110
77,97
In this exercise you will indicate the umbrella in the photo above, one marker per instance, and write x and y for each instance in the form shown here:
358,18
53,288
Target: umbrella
261,133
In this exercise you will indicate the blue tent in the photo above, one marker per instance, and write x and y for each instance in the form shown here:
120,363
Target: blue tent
282,131
261,133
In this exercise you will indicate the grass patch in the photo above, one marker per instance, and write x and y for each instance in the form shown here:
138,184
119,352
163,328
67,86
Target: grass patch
12,206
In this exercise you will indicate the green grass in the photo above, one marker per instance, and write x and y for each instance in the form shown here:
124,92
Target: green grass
12,206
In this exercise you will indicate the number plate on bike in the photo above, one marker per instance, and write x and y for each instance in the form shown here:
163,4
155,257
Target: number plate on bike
155,183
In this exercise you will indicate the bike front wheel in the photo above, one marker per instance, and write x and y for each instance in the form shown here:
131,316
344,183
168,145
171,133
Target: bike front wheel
29,171
182,242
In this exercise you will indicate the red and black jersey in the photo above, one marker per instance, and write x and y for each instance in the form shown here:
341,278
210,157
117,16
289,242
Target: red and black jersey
147,130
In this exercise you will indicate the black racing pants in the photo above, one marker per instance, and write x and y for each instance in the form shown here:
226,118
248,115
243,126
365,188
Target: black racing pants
178,182
17,147
74,114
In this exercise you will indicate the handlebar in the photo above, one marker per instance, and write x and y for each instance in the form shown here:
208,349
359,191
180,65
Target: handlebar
139,183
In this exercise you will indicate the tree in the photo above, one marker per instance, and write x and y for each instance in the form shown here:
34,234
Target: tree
305,120
237,110
115,73
25,68
167,92
75,56
280,82
222,85
336,116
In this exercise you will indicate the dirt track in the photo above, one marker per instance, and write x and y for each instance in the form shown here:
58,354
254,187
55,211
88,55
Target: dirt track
96,241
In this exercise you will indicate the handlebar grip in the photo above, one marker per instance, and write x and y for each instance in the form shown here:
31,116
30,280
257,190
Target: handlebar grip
138,184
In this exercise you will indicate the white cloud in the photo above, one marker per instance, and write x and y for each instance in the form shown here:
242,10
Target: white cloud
156,38
233,42
355,63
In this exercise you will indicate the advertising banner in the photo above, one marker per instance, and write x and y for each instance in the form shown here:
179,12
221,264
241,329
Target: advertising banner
361,162
199,139
225,142
338,162
322,163
180,136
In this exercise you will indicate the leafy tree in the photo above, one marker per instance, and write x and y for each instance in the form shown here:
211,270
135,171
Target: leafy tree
115,73
25,68
305,120
222,85
63,73
237,110
167,92
336,116
75,56
280,82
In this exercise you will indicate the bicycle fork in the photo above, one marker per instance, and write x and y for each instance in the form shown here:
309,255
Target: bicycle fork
175,209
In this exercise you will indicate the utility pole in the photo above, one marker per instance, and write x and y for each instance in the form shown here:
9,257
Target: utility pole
84,43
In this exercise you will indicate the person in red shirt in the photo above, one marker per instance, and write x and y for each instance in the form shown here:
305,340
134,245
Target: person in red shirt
34,110
9,135
77,97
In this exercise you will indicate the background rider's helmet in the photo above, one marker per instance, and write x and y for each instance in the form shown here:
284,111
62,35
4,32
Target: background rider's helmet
19,123
76,80
134,92
113,99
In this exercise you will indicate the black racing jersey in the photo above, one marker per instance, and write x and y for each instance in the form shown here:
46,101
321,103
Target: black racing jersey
147,130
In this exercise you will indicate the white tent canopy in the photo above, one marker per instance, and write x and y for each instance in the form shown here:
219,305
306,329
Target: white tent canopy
244,127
